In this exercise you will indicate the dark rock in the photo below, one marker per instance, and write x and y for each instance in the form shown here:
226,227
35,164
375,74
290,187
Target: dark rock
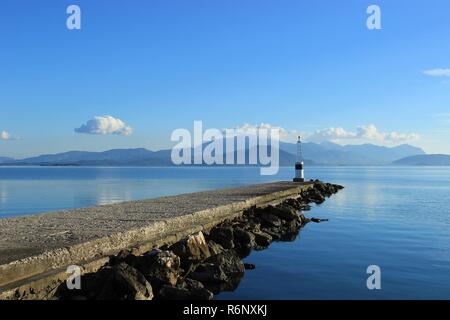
208,273
241,224
214,248
131,284
289,237
190,284
248,213
218,268
291,227
305,207
244,242
243,238
228,261
159,267
293,203
125,255
92,284
108,290
222,236
304,220
230,285
285,212
269,219
275,233
326,189
321,187
186,289
252,226
249,266
192,248
244,252
313,195
317,220
119,282
262,239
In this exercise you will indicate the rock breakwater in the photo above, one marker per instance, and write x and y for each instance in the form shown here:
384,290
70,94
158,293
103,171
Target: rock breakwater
202,264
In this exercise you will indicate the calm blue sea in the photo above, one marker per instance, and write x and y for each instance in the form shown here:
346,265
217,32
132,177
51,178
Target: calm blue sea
395,217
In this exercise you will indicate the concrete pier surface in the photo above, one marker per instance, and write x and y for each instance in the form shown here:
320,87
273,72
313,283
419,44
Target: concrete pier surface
36,250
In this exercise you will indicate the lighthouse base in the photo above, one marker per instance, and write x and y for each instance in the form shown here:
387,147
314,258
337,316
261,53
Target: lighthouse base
299,180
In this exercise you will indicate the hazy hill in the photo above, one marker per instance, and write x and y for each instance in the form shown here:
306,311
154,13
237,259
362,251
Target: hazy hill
118,155
5,159
326,153
425,160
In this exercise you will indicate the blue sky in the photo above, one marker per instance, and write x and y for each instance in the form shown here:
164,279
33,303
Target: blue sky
160,65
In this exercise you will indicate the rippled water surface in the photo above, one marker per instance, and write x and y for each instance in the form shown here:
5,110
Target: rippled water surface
395,217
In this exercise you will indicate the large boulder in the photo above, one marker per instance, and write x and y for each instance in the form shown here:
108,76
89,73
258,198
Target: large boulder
228,261
269,219
208,273
219,268
214,248
314,195
192,248
131,283
186,289
223,236
290,230
304,219
321,187
126,255
294,203
117,282
262,239
243,239
92,285
159,267
285,212
326,189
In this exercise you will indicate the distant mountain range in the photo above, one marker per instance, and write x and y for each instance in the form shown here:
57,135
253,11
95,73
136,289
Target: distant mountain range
328,153
325,153
5,159
425,160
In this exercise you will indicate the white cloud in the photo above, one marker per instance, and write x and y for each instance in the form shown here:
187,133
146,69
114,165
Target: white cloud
440,72
5,135
285,135
396,137
252,129
105,125
362,134
329,134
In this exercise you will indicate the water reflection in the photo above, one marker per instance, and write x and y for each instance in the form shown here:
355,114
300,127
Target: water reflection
3,194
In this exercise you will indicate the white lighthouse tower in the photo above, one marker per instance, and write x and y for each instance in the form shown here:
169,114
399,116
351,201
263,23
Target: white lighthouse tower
299,174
